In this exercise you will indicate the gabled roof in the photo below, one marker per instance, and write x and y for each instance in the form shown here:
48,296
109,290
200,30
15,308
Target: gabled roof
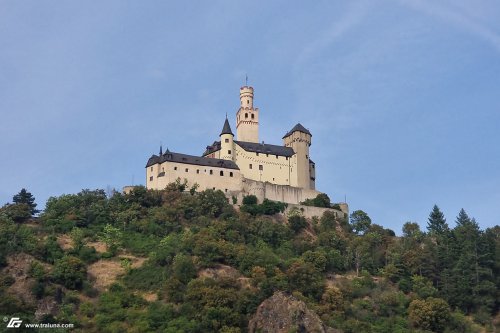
265,148
190,159
213,148
298,128
226,129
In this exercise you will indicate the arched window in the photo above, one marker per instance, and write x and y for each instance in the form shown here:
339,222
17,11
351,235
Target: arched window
246,115
222,173
253,116
230,174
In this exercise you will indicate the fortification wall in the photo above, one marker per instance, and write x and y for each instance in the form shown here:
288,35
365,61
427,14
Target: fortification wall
283,193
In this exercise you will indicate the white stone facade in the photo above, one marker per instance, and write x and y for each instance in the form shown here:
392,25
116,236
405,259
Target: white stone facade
240,166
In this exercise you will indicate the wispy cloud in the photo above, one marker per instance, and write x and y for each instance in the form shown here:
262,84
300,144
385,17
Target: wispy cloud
458,16
352,18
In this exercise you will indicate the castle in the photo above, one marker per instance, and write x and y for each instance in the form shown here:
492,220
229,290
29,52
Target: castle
242,165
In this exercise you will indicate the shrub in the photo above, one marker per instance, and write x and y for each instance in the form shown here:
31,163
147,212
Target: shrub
70,272
249,200
297,222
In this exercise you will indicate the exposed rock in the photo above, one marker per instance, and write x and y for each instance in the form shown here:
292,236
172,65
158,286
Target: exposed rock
46,306
283,313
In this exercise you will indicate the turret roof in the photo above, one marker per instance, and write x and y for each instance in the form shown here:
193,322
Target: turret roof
298,128
226,129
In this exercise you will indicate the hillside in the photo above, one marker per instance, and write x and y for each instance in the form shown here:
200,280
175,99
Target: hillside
185,261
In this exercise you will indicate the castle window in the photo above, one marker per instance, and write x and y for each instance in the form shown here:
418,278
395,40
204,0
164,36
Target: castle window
250,166
211,172
252,115
261,167
273,179
151,178
187,169
229,152
225,190
198,171
287,158
276,156
257,154
267,155
230,174
222,173
162,169
226,140
307,157
246,115
175,168
248,101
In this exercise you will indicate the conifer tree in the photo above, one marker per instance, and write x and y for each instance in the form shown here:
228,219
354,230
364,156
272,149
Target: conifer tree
437,223
25,197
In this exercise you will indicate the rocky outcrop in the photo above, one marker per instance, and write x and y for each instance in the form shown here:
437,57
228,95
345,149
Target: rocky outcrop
283,313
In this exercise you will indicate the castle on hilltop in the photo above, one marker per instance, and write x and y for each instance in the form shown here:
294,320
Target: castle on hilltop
243,165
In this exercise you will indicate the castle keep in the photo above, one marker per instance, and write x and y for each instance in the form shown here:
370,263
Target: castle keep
242,165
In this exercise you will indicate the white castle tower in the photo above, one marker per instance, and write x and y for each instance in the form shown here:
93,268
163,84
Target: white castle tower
247,117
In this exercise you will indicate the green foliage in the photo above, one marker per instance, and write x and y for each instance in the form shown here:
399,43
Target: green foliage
297,223
147,277
112,237
357,277
360,221
183,268
26,198
321,200
19,212
70,272
431,314
249,200
267,207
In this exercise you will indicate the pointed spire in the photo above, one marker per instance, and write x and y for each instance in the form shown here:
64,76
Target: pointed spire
161,149
226,129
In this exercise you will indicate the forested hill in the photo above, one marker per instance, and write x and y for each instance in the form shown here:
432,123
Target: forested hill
184,261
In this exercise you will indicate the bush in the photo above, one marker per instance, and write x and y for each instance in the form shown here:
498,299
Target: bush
70,271
297,223
146,277
321,200
249,200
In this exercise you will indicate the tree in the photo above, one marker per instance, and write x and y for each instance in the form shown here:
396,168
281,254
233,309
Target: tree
431,314
436,224
112,237
360,221
70,272
25,197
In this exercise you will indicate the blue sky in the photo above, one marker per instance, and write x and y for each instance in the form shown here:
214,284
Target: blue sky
402,97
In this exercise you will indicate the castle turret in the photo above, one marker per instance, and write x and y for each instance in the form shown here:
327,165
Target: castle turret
299,139
226,142
247,117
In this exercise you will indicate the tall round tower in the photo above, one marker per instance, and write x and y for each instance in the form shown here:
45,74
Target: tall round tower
299,138
247,117
226,142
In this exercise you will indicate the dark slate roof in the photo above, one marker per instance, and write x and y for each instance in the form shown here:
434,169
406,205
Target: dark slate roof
189,159
210,149
265,148
298,128
226,129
